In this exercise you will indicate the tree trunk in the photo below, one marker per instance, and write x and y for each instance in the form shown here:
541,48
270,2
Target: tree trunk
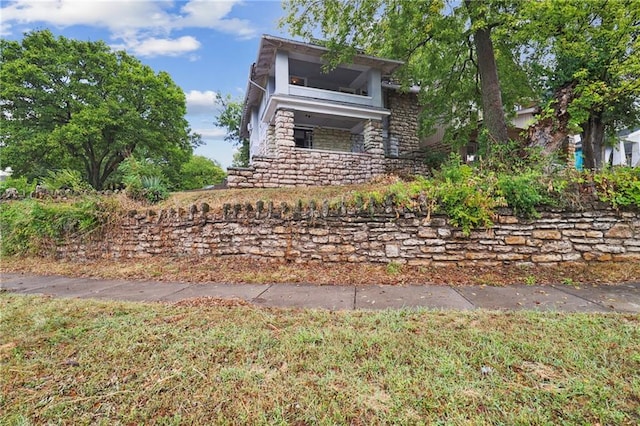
593,142
493,113
551,131
492,110
93,173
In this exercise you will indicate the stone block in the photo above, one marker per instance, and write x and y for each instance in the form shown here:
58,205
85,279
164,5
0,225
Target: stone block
515,240
546,234
545,258
571,257
557,247
318,231
428,233
412,242
574,233
448,257
608,248
619,231
510,256
594,234
433,249
479,255
627,257
392,250
507,219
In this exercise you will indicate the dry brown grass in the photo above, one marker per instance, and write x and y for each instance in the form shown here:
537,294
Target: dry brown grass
217,198
247,270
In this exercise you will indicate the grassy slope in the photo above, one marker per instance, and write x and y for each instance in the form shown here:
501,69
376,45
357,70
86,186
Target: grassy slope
78,362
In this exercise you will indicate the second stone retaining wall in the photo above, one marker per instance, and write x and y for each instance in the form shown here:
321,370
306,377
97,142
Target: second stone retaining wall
339,234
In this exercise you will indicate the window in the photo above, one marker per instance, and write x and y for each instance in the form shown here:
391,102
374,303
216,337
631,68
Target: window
303,138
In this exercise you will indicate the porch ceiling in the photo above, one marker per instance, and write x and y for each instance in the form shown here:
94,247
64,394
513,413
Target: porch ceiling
306,119
322,112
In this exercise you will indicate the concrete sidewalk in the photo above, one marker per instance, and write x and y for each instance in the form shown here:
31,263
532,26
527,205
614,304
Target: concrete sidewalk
618,298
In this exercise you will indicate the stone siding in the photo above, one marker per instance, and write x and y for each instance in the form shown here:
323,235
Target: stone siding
332,139
406,166
338,234
404,121
291,166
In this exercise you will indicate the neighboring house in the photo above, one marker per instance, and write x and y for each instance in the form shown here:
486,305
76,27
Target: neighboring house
6,173
626,151
311,127
434,143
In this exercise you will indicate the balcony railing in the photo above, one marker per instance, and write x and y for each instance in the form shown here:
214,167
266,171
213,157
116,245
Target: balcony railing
332,95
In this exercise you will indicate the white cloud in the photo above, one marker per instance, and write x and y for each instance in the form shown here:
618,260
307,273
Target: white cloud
114,15
212,133
144,26
201,102
160,46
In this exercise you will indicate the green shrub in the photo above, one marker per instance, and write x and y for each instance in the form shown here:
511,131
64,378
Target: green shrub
21,184
143,180
153,190
619,186
65,179
466,196
34,226
522,192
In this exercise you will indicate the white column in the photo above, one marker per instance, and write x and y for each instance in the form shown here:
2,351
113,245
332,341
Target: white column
282,73
374,87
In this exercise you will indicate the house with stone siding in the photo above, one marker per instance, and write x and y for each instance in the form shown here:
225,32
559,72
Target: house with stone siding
307,126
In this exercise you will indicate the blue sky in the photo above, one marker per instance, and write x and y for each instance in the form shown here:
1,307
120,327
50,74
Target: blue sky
207,46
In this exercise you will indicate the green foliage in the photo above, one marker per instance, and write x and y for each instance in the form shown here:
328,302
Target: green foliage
522,192
434,159
35,226
153,190
619,186
65,179
230,118
143,180
21,184
78,105
436,39
595,49
467,197
199,172
393,268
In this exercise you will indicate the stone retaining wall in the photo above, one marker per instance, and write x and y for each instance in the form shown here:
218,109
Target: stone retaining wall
341,235
307,167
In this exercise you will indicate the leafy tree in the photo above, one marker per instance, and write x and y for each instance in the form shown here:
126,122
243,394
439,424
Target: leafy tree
199,172
229,118
456,51
78,105
586,53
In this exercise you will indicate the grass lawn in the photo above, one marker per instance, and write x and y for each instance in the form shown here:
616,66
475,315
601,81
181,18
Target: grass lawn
78,362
